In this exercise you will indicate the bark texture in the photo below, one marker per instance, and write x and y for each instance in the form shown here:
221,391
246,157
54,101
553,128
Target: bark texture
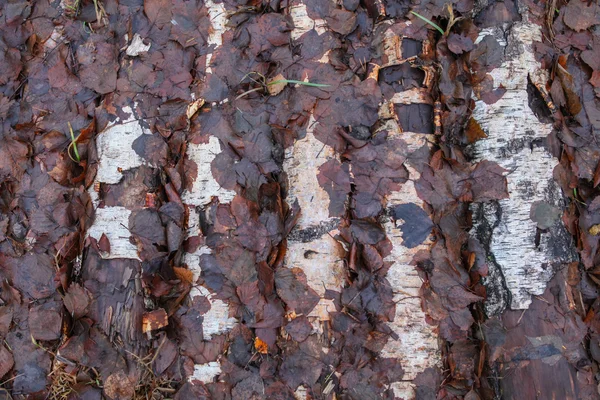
521,257
417,345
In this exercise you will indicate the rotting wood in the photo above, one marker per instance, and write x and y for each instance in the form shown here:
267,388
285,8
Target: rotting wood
519,267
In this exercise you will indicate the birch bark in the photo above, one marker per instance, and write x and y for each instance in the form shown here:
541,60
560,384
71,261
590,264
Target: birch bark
521,257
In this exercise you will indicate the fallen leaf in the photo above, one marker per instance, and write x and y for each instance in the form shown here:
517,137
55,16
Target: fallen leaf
276,85
6,361
193,107
474,132
77,300
118,386
580,15
45,321
184,274
104,245
417,224
544,214
260,346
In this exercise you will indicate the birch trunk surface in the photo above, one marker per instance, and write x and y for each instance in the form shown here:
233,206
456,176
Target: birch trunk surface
521,258
520,268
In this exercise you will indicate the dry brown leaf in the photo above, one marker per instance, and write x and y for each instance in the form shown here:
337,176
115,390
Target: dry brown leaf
193,107
276,85
261,346
474,131
118,386
184,274
6,361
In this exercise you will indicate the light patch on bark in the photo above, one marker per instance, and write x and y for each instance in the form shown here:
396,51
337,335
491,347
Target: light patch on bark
303,23
417,347
311,246
218,20
301,393
114,222
205,187
205,373
216,321
115,148
412,96
520,266
392,48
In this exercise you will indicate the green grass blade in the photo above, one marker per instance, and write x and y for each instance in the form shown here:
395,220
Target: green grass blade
286,81
73,142
436,26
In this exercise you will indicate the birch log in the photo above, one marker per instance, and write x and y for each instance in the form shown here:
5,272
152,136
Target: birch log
311,245
119,316
521,257
204,189
417,347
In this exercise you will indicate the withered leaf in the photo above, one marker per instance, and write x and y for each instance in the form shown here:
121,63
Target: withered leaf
474,132
334,178
417,224
544,214
367,232
276,85
459,44
118,386
299,328
291,286
45,321
580,15
104,244
6,361
77,300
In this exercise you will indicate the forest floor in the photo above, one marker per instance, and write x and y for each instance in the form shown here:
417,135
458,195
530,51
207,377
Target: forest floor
149,207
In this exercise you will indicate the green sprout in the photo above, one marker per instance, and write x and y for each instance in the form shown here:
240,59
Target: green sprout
73,145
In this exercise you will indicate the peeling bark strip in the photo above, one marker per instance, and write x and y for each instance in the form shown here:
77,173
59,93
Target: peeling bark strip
522,254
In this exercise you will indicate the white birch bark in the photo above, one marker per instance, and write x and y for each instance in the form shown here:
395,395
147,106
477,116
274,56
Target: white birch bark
417,347
115,157
518,268
311,245
204,189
